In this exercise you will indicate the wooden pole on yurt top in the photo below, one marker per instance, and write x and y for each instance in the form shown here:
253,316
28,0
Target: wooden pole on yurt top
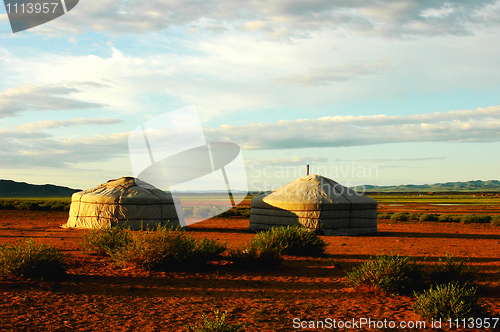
307,169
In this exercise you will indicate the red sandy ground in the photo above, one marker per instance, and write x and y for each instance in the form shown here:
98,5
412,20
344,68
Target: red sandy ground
96,295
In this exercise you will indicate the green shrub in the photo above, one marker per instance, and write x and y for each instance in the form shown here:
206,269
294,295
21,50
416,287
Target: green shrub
253,258
202,211
35,204
428,217
413,217
383,215
187,211
31,260
400,216
295,240
393,274
475,218
450,301
167,249
25,205
449,218
217,324
105,241
453,271
206,250
59,207
495,220
236,212
7,206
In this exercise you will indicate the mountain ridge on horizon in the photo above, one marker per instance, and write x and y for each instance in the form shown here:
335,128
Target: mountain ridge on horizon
459,186
10,188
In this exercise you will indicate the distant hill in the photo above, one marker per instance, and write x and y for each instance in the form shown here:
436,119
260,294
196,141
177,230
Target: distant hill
9,188
477,185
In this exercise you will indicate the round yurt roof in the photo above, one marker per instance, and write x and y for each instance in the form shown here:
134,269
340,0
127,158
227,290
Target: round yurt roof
124,200
316,202
312,192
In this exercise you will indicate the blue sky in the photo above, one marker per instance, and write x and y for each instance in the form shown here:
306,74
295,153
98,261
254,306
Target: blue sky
407,88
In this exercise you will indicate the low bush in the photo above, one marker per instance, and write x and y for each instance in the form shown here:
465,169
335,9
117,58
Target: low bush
475,218
167,249
393,274
26,205
413,217
204,211
7,206
217,324
451,270
495,220
428,217
400,216
31,260
253,258
449,218
236,212
450,301
35,204
187,211
105,241
383,215
295,240
206,250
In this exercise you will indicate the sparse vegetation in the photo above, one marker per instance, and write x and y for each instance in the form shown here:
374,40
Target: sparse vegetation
236,284
495,220
204,212
450,301
449,218
31,260
399,216
295,240
36,204
105,241
236,212
428,217
413,217
383,215
475,218
217,324
167,249
251,257
451,270
393,274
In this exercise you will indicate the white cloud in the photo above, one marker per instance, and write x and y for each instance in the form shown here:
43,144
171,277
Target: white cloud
327,75
115,81
35,149
444,11
51,124
281,18
218,82
287,161
41,98
385,160
479,125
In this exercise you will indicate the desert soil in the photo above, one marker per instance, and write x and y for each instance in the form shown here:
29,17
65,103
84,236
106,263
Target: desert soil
97,295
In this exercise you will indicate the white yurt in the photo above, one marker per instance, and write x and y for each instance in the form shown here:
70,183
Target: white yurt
318,203
128,201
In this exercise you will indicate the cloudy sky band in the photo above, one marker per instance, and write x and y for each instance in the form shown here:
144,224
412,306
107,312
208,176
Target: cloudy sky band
284,18
287,80
480,125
